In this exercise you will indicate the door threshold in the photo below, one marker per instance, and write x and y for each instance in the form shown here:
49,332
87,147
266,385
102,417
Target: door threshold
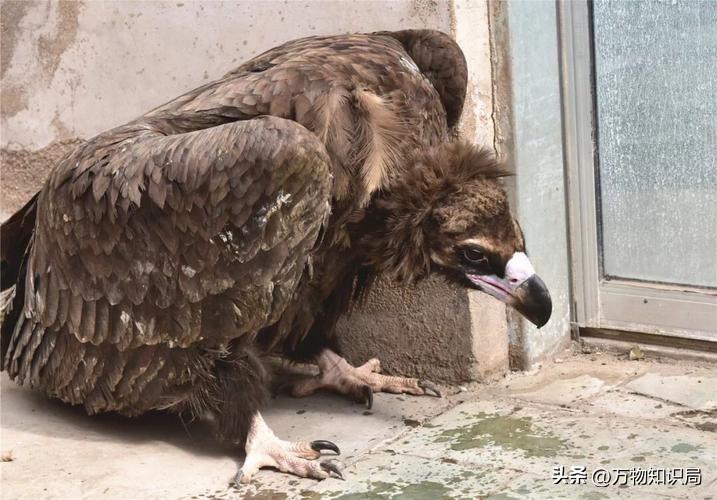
620,342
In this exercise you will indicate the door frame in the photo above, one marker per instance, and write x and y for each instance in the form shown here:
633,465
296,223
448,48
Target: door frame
669,310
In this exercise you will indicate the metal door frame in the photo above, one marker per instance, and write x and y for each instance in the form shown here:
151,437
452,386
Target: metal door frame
671,310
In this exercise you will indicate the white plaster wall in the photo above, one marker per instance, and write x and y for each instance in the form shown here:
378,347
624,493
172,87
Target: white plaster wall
74,69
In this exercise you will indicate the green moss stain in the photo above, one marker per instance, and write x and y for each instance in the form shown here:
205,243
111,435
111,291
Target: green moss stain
424,490
502,496
440,485
685,448
468,474
377,490
594,495
511,433
382,486
267,494
366,495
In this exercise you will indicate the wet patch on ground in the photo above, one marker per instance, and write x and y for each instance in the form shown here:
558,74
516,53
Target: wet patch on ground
406,477
508,432
508,445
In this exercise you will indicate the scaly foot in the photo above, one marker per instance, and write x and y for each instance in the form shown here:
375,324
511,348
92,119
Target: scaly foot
358,383
264,449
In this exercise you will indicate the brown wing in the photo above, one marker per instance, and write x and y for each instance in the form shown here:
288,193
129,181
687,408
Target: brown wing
286,80
137,229
372,99
441,60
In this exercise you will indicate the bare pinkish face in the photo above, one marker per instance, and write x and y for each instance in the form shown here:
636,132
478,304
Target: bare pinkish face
479,244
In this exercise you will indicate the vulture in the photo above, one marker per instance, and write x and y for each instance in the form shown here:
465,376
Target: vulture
163,260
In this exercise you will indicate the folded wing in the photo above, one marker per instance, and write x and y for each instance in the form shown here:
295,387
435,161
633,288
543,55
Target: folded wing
136,230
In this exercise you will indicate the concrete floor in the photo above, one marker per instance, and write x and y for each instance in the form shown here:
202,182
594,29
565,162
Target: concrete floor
499,440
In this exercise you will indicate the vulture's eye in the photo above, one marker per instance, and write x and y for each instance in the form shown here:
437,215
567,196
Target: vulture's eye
474,256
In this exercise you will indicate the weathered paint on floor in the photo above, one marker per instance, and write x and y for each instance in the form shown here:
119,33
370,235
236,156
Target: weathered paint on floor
502,440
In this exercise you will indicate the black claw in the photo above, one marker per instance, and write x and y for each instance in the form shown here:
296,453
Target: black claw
332,468
429,386
368,396
321,445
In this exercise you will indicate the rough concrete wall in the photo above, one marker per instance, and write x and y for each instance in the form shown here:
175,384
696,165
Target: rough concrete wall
422,332
529,130
73,69
24,171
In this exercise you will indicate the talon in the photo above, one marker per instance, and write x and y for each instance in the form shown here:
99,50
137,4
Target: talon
368,394
330,468
264,449
429,386
321,445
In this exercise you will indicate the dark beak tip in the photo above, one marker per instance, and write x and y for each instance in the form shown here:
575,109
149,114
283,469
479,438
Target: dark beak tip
536,306
541,322
544,316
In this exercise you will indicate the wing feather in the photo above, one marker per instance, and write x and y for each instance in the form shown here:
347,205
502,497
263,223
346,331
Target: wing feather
131,240
441,60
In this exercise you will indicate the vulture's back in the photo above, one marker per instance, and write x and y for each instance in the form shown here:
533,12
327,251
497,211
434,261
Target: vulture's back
373,99
159,245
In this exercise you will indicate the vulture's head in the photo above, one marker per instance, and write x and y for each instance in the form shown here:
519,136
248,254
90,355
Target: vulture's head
450,214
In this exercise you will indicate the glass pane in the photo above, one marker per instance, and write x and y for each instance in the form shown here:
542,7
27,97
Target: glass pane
656,85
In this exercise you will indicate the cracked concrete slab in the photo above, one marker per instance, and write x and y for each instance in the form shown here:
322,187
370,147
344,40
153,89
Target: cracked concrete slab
535,439
499,440
565,391
506,442
694,391
628,404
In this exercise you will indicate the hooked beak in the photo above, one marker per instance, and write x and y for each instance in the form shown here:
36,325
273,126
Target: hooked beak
520,288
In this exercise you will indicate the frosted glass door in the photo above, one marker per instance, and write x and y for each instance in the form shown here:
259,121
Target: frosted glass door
656,108
640,122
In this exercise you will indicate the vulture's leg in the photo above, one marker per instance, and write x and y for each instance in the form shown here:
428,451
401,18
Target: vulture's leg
264,449
358,382
239,391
